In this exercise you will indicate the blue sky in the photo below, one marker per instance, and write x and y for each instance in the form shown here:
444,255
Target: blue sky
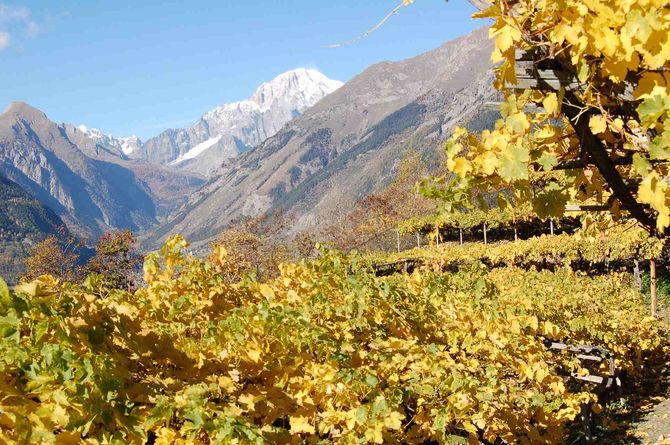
141,66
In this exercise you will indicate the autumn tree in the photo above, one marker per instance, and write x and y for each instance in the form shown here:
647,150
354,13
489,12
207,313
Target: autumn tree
255,245
374,219
586,114
305,244
55,255
116,261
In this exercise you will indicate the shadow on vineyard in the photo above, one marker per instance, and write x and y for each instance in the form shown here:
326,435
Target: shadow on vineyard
662,286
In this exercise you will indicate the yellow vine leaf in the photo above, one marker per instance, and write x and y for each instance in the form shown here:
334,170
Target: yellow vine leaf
653,191
266,291
300,425
394,421
597,124
551,105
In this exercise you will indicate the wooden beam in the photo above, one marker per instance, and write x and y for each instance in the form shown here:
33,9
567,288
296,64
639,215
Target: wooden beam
579,164
542,75
579,115
548,80
585,208
596,379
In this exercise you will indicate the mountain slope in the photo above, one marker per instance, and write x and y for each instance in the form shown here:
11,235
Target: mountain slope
22,215
87,183
231,129
24,221
347,145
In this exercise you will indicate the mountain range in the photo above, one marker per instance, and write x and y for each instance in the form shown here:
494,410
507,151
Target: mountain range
234,128
346,146
302,144
87,182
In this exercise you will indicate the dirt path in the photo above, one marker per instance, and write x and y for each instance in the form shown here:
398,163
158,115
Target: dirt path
654,428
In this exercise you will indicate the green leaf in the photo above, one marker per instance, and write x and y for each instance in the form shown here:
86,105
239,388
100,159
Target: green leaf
361,415
654,105
550,202
547,161
5,297
660,146
641,165
514,165
583,73
517,123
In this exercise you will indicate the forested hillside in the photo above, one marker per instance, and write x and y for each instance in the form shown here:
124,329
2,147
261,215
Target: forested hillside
24,221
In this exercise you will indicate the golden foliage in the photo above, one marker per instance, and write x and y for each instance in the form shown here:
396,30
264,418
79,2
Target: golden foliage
615,104
325,352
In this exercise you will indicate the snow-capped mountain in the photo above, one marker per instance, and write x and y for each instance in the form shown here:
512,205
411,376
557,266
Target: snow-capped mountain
230,129
84,176
124,147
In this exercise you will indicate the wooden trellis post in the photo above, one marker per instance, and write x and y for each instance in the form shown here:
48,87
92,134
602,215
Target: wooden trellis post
485,241
418,240
460,233
551,226
398,239
652,274
516,236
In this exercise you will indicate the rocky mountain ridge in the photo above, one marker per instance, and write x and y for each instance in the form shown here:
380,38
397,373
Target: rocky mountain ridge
320,160
347,145
231,129
86,180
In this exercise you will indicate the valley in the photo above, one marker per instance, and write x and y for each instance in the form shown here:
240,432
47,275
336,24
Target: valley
285,149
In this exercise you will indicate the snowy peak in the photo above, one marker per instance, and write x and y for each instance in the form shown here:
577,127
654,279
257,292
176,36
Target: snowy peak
297,89
130,144
301,87
197,150
93,133
127,145
228,129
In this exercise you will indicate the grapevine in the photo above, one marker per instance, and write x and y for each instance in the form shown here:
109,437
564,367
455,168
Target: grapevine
327,351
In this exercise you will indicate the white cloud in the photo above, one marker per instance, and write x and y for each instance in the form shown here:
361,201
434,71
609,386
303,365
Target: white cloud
4,40
13,13
33,29
15,19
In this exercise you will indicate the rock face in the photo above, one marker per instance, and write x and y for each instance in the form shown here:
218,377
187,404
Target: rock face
86,180
91,138
234,128
348,144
